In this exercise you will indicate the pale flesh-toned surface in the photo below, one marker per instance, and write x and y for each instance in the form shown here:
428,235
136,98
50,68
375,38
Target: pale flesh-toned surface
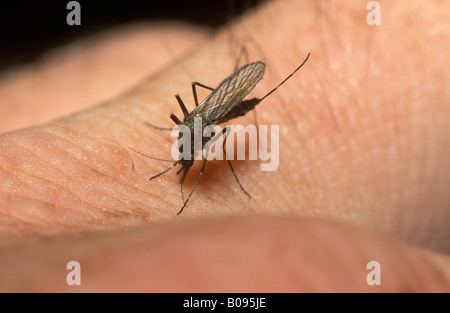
363,174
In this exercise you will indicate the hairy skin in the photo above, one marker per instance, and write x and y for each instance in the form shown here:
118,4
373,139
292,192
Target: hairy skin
363,175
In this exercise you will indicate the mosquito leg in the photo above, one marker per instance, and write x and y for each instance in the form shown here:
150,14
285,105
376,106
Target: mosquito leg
175,119
229,162
157,127
185,171
195,185
163,172
194,90
242,52
255,116
182,106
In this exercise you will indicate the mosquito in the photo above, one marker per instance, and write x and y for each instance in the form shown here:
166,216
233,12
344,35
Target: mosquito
224,103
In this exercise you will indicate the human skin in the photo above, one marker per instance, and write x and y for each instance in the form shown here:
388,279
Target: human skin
363,174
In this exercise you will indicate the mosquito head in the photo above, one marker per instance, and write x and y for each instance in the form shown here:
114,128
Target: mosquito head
186,163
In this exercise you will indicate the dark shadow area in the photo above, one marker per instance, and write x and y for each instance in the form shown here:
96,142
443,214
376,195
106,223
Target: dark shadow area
31,28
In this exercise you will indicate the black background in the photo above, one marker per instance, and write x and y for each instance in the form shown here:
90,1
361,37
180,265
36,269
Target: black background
30,28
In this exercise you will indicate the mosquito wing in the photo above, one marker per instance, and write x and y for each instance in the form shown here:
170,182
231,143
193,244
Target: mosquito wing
230,92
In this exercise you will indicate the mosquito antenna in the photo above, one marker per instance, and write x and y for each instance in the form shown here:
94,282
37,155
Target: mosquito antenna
285,78
150,157
195,185
186,170
132,162
229,162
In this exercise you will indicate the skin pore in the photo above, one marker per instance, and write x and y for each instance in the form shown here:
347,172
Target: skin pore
363,174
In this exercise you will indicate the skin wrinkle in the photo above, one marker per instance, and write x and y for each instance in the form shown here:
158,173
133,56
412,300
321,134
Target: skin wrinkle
87,211
34,219
19,218
90,166
87,224
33,215
31,227
30,185
60,186
128,125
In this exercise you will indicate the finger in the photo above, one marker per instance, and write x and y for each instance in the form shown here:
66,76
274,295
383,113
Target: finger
252,254
361,140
